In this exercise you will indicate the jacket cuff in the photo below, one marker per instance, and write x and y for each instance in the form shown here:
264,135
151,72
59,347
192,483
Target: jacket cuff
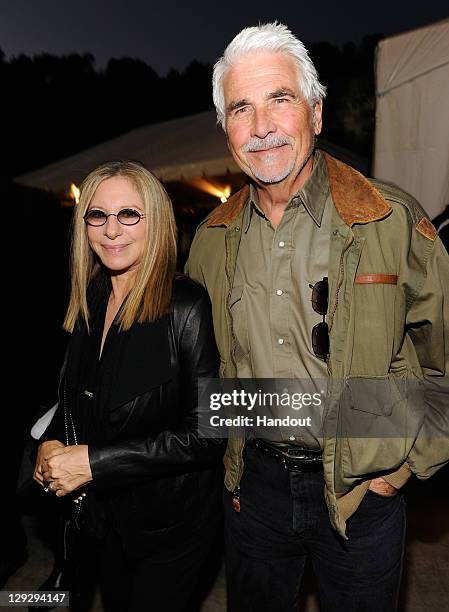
98,460
399,478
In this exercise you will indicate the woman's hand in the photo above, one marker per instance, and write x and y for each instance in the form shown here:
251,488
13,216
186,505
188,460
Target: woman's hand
42,453
66,468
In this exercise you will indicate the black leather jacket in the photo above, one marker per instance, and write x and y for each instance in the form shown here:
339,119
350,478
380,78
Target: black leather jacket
158,480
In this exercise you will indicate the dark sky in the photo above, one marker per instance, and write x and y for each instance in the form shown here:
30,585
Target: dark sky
167,34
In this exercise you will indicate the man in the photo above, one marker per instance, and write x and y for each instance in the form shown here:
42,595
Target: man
311,237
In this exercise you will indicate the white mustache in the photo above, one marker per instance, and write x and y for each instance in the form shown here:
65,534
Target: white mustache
269,142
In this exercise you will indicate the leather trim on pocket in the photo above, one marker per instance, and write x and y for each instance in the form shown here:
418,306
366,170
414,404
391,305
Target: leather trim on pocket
372,279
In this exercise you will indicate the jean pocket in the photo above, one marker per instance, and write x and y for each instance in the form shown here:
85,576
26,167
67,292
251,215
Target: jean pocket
381,496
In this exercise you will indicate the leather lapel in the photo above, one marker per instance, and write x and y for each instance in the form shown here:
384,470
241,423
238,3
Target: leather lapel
225,213
355,199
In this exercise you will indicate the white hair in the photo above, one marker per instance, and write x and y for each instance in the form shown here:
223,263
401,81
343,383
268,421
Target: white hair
274,37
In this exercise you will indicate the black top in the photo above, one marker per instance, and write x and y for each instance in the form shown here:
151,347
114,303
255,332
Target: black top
88,402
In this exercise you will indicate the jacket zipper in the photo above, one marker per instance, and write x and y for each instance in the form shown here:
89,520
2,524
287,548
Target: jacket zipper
228,315
236,492
334,309
339,281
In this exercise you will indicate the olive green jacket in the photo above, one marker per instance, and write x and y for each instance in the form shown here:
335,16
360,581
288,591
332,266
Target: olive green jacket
388,324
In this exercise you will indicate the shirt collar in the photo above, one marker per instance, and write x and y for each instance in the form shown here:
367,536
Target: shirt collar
313,194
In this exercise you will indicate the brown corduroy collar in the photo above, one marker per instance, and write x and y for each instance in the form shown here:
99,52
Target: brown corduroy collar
355,199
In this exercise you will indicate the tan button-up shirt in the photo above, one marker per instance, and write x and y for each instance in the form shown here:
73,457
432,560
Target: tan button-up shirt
271,298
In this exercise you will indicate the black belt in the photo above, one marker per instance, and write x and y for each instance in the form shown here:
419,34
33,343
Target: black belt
294,458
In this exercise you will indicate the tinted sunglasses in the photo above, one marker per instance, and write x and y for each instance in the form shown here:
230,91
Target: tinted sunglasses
320,331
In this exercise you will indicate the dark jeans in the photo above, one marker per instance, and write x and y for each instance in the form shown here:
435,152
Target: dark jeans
284,519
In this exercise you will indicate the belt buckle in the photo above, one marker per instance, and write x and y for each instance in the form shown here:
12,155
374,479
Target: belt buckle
292,464
292,453
300,462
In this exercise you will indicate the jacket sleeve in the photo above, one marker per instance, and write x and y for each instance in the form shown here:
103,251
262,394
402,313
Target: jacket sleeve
181,449
428,328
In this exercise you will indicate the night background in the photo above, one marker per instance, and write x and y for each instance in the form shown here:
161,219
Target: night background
75,73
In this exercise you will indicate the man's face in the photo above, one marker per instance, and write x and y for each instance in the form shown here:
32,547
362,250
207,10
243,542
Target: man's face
270,126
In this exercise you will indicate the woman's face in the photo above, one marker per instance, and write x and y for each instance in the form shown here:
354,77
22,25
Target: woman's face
119,247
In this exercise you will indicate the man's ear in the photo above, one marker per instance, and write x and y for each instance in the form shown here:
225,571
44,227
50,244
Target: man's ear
318,117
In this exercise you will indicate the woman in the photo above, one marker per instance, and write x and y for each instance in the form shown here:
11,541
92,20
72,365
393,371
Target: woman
126,430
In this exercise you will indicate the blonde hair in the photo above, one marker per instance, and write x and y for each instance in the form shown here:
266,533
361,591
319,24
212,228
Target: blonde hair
150,295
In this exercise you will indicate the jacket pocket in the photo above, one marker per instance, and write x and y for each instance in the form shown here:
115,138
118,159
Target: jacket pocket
120,416
374,312
379,420
144,413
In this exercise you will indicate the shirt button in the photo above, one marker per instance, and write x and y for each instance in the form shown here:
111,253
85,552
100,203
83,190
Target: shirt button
282,244
279,292
281,341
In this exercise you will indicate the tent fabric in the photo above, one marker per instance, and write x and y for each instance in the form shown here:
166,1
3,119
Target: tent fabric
411,55
180,148
176,150
412,114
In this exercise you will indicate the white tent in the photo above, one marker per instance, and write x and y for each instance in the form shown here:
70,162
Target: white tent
412,114
174,150
177,150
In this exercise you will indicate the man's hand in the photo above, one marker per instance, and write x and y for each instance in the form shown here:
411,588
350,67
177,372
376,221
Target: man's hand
42,452
382,487
67,468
